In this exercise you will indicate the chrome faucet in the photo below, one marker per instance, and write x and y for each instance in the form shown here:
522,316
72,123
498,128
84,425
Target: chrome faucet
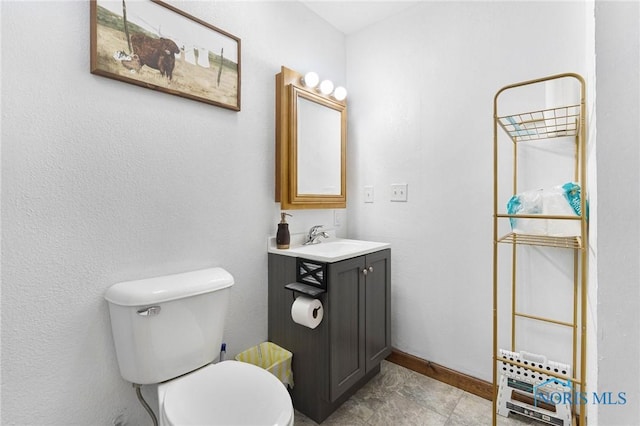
313,237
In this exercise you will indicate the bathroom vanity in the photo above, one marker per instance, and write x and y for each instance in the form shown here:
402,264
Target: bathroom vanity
352,281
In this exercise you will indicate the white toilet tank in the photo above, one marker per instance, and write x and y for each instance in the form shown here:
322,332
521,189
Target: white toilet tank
167,326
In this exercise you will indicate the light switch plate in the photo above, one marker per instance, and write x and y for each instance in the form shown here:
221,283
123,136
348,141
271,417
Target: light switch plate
337,218
368,194
399,192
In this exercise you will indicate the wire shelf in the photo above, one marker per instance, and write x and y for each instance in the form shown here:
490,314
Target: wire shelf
564,124
543,124
542,240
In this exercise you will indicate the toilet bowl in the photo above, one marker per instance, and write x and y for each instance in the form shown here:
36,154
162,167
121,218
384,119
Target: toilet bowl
228,393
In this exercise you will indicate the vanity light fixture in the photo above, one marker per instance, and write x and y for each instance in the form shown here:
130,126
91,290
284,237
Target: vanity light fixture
310,80
326,87
340,93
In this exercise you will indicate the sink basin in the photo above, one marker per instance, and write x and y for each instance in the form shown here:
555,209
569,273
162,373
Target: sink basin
331,250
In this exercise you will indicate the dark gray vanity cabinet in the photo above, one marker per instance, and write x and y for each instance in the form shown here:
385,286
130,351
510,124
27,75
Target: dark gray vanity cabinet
346,324
378,308
331,362
359,326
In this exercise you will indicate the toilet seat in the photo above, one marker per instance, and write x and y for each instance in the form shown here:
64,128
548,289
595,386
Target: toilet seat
226,393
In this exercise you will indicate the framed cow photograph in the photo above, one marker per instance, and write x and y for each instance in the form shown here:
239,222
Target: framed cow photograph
154,45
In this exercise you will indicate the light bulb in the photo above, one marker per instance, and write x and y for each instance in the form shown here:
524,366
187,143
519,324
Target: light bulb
310,79
340,93
326,87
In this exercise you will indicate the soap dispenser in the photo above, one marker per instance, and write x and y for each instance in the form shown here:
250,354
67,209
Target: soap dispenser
283,237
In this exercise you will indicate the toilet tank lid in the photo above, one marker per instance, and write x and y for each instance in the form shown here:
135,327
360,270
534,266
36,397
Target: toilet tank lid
168,287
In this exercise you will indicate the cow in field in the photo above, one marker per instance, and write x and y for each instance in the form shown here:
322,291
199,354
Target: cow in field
156,53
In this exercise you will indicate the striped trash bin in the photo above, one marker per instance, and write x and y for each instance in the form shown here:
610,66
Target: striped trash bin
272,358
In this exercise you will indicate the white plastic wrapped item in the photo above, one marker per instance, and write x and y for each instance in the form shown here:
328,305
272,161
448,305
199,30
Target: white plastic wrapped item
528,202
563,200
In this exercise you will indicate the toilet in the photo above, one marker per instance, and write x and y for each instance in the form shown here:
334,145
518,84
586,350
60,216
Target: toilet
168,331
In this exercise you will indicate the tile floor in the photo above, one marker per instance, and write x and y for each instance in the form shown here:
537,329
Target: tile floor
398,396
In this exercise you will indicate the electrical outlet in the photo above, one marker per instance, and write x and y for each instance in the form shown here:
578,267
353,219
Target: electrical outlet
337,218
368,194
399,192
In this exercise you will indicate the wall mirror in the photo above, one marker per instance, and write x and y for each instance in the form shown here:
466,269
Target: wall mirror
311,137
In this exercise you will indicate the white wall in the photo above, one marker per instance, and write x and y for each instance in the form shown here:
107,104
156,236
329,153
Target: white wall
592,185
105,181
421,90
417,78
618,245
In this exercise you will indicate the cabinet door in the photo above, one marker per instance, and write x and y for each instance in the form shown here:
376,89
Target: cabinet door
378,307
346,323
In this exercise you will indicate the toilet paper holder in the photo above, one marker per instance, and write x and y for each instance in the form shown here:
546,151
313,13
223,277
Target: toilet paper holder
305,289
311,272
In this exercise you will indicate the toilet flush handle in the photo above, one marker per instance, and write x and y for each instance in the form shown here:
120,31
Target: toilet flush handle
150,311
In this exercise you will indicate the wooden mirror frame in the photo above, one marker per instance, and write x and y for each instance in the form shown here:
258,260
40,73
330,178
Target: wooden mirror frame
288,88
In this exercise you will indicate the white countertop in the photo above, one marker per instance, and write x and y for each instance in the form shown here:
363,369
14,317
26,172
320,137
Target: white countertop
330,249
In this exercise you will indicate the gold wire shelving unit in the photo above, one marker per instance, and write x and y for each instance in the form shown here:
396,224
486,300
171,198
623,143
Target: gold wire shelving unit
567,121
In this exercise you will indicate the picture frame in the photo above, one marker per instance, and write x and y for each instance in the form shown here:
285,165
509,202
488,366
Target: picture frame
155,45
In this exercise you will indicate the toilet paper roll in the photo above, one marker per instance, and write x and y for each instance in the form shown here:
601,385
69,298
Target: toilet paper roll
307,311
